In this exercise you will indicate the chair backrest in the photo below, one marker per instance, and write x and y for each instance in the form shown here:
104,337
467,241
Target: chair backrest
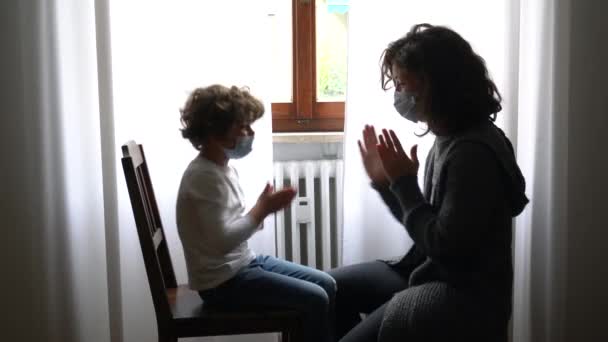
149,228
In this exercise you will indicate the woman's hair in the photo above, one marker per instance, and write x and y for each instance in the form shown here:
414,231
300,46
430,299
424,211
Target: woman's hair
213,110
460,91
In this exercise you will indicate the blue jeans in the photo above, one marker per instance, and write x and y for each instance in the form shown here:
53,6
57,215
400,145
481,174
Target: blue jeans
268,282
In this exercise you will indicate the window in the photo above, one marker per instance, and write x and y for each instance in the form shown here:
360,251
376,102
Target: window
310,65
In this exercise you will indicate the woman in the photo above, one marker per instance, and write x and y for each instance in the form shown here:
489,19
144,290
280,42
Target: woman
455,282
214,227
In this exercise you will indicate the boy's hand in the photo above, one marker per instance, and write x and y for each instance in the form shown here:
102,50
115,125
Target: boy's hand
271,201
275,201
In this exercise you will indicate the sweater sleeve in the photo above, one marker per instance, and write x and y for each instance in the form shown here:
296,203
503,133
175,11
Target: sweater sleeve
390,200
471,197
218,213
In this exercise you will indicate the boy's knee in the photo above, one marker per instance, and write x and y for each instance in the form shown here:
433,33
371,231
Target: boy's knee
330,286
320,298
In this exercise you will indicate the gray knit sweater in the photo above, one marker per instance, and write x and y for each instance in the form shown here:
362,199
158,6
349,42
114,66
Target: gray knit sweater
460,266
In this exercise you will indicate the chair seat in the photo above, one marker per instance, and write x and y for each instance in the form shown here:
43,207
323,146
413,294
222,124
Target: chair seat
191,317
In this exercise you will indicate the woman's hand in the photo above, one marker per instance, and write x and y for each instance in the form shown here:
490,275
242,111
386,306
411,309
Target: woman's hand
371,159
394,160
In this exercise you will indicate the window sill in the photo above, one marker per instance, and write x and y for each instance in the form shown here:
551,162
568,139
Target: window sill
304,138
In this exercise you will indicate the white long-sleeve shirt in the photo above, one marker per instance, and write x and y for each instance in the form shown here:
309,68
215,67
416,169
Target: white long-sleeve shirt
212,224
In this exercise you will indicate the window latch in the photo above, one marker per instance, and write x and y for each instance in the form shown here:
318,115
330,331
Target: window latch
303,122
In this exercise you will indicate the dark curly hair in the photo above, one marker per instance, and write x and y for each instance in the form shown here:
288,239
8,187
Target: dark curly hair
213,110
460,91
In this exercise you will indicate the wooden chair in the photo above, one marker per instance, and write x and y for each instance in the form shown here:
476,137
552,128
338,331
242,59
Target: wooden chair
180,312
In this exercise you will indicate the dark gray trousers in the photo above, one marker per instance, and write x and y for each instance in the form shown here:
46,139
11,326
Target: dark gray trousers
364,288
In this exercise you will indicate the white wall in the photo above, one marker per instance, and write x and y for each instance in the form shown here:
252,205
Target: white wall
586,286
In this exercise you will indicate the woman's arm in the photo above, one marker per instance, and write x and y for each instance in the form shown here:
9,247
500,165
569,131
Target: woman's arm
472,195
391,201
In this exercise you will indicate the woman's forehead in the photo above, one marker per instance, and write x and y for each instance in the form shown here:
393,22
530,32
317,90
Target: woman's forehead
400,71
402,76
241,123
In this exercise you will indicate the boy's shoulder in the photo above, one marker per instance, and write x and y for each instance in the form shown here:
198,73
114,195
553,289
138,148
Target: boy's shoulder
202,179
202,170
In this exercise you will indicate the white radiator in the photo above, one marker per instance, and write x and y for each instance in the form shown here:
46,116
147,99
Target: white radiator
310,230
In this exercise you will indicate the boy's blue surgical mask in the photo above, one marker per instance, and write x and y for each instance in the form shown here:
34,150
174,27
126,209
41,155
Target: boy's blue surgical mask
244,145
405,104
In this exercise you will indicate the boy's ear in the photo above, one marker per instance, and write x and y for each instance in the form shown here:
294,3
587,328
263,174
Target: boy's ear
212,141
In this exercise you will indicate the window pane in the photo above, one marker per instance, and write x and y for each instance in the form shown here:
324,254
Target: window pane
331,38
281,50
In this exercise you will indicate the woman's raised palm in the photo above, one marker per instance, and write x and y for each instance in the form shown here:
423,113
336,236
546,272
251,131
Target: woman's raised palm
371,158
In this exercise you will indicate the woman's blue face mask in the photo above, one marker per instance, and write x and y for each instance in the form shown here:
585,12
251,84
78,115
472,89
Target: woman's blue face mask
405,104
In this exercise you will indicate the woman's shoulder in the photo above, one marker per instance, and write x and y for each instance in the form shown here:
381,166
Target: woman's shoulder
482,139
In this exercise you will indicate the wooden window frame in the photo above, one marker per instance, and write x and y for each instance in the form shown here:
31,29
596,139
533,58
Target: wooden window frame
305,113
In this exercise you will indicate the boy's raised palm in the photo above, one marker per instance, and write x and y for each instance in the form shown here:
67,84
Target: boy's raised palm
273,201
280,199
